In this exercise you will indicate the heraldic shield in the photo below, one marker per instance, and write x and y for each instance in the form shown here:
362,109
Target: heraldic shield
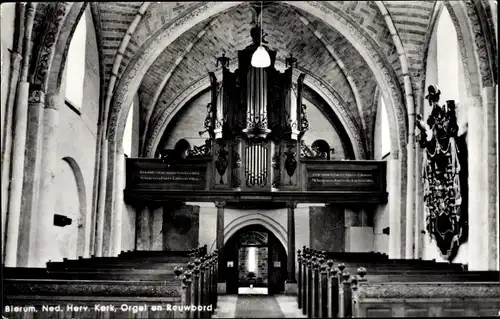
441,175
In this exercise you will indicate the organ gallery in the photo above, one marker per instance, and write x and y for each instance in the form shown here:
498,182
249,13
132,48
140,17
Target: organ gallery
249,159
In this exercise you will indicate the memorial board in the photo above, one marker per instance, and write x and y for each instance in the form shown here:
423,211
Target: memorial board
346,176
154,174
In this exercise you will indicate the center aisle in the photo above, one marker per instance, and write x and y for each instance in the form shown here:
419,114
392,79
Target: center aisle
257,306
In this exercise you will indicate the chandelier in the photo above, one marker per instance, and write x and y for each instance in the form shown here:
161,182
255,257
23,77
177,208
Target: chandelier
260,58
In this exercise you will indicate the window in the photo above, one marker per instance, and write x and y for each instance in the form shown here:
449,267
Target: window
448,76
127,134
252,259
75,67
384,127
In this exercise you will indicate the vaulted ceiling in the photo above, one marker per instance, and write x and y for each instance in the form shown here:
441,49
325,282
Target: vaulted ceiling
324,54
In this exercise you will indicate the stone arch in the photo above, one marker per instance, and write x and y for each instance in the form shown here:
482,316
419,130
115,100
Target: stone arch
470,63
255,219
61,47
333,100
82,245
381,68
477,60
48,62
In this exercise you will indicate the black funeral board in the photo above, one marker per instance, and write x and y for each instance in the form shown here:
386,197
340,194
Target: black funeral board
145,174
346,176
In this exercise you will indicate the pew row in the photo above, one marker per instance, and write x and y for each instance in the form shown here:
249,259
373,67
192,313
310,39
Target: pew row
42,298
325,290
153,291
425,299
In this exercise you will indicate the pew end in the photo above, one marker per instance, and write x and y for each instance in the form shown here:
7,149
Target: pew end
428,299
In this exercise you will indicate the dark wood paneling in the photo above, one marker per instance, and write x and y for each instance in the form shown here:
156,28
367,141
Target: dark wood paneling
189,180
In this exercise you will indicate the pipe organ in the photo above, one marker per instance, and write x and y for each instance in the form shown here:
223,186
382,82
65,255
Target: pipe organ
256,120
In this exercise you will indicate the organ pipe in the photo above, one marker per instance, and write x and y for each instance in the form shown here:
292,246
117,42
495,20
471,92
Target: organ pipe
219,113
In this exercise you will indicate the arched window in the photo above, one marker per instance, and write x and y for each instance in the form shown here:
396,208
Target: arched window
75,67
128,133
448,61
445,67
384,127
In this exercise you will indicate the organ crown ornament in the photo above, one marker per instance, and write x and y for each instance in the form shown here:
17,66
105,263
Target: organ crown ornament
441,178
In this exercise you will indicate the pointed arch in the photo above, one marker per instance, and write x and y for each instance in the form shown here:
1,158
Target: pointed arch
82,245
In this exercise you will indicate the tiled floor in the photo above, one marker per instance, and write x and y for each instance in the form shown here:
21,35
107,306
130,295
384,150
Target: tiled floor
263,306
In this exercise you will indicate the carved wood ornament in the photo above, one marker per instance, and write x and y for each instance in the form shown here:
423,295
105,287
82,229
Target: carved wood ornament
441,168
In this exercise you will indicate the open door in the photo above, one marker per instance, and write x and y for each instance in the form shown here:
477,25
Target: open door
255,262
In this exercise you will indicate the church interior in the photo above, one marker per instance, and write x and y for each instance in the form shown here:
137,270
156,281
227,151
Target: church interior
288,159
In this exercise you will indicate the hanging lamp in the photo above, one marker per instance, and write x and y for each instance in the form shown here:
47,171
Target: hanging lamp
260,58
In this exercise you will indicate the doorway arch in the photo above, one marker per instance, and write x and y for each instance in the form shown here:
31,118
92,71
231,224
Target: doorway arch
271,261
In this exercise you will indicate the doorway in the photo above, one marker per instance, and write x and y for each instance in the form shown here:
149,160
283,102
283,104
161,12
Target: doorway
255,262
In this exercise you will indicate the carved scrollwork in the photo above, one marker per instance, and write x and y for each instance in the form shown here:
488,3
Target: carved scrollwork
46,49
208,124
304,122
305,150
290,161
36,97
236,164
275,163
222,161
202,150
441,168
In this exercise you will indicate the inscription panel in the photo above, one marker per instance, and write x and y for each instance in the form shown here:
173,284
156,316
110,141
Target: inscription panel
346,176
154,174
340,179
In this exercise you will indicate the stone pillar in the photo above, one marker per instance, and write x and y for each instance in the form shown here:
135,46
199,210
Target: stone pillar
490,153
302,224
478,190
16,180
483,181
410,196
48,192
101,204
221,278
7,137
143,229
419,207
116,225
32,179
497,175
291,283
208,218
394,204
157,229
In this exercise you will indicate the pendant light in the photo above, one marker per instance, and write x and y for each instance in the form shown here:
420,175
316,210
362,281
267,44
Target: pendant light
260,58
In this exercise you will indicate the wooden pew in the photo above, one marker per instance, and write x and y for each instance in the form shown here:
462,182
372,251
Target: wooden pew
311,272
68,298
323,288
112,285
348,283
427,299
